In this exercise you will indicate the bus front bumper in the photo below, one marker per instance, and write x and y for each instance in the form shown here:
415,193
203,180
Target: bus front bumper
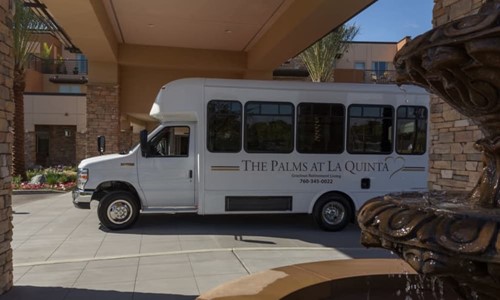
81,199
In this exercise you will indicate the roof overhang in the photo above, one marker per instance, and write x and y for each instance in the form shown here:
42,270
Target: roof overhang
236,35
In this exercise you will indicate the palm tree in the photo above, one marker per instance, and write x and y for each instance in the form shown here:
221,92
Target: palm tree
24,23
321,56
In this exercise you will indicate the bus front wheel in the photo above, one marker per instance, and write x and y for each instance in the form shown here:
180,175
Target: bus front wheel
332,212
118,210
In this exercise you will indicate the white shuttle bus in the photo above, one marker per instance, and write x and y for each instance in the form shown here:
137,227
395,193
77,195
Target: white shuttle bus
265,147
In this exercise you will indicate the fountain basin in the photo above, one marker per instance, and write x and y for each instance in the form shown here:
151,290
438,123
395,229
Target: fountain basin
440,234
455,236
337,279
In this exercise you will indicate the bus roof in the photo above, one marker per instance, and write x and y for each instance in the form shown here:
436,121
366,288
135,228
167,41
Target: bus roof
294,85
191,90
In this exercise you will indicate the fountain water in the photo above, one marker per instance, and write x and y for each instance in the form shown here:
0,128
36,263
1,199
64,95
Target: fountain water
452,235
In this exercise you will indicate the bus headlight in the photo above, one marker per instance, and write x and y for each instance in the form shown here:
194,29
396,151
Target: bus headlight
82,178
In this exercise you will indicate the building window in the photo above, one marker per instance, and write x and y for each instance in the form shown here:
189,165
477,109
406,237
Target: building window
411,130
224,126
370,129
379,68
69,88
320,128
81,65
269,127
359,65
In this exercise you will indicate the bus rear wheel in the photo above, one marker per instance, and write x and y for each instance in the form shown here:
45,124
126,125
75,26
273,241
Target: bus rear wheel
118,210
332,212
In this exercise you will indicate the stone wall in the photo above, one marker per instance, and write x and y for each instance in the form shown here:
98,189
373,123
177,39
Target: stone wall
448,10
62,146
6,139
81,146
454,163
103,117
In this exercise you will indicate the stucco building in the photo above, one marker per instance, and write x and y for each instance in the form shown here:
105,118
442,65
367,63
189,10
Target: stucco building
54,104
75,119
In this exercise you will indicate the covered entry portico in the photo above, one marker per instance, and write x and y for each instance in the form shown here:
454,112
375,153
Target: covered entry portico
135,47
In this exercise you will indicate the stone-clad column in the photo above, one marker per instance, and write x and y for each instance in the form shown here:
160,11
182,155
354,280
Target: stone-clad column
454,163
6,139
103,117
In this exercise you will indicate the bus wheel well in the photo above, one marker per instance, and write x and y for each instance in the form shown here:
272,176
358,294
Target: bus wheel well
112,186
352,217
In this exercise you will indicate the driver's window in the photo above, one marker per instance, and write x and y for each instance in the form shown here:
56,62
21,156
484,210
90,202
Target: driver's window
171,141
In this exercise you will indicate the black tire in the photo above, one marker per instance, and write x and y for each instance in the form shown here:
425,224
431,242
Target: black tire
332,212
118,210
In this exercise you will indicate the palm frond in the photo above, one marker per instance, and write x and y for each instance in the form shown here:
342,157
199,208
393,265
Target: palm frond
321,56
25,25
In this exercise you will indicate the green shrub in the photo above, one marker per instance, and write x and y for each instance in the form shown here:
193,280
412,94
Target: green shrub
51,178
31,173
62,178
16,181
70,174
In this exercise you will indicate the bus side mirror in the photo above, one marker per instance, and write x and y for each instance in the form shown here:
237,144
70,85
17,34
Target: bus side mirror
144,143
101,144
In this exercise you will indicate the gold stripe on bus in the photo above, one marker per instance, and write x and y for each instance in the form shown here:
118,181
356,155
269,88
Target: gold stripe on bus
414,169
225,168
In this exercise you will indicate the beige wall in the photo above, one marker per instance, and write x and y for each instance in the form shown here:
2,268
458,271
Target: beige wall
34,81
55,110
368,53
139,85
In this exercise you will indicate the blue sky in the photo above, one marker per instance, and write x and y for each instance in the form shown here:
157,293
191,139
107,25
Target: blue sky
392,20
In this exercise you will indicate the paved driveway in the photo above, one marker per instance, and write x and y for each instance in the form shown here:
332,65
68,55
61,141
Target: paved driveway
61,252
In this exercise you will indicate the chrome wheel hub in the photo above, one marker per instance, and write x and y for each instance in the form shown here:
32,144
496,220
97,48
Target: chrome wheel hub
119,211
333,213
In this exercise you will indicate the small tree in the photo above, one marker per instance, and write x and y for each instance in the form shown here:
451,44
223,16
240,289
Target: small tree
25,22
321,56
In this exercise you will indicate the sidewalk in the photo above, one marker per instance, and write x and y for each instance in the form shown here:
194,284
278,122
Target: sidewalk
61,253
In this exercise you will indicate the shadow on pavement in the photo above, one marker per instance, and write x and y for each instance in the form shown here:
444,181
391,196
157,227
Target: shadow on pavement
254,229
60,293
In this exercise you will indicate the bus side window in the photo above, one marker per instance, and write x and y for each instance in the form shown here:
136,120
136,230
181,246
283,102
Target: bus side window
269,127
320,128
171,141
370,129
224,126
411,130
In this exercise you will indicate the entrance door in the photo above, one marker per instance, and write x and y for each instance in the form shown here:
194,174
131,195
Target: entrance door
167,176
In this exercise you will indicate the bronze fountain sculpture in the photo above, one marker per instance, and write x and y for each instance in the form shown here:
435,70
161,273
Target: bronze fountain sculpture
452,235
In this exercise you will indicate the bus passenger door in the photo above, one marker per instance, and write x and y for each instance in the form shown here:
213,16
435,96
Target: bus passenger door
166,176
